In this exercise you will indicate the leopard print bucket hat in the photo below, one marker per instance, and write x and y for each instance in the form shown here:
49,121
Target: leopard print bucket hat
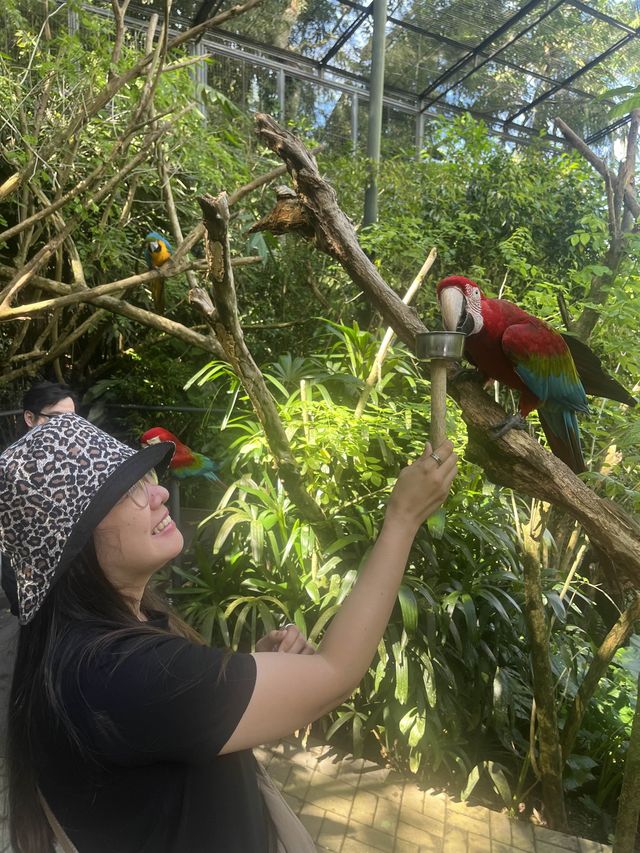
57,483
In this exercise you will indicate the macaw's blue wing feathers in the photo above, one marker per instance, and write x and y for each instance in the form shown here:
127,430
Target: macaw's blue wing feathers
196,465
544,364
542,359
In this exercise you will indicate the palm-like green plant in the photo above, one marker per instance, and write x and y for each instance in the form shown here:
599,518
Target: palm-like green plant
450,690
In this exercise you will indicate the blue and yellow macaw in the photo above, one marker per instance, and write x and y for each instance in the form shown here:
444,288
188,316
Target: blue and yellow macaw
157,252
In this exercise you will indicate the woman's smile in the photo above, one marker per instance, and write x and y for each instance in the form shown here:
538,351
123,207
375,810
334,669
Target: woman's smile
166,522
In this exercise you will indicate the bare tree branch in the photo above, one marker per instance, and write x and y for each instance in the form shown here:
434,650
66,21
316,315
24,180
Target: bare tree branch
197,233
628,170
119,11
139,315
85,184
93,103
41,257
226,325
620,197
376,367
84,295
598,164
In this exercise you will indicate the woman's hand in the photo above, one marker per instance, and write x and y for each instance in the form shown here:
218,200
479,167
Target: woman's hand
421,488
288,640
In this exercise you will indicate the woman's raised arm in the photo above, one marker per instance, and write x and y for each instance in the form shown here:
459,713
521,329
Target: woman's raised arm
293,690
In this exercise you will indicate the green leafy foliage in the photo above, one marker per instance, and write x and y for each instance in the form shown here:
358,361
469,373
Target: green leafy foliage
449,693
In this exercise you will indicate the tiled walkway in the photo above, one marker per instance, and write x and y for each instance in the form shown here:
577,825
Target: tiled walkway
353,806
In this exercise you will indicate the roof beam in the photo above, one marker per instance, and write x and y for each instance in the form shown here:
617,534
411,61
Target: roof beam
492,56
459,45
582,70
346,35
605,131
477,50
601,16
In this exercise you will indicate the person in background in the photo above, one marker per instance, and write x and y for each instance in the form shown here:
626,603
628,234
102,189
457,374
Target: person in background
128,734
46,399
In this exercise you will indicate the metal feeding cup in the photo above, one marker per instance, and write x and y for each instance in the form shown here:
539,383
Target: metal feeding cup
440,349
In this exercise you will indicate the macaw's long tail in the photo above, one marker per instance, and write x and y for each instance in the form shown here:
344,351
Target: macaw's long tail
594,377
563,434
157,293
210,475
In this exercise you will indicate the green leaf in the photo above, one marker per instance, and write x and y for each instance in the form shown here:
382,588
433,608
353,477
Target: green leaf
500,782
409,608
624,108
472,781
436,523
556,604
343,719
417,731
429,680
401,691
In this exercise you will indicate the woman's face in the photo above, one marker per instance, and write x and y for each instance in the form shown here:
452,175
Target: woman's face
138,536
62,407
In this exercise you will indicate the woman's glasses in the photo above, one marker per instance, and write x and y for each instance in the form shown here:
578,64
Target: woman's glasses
139,493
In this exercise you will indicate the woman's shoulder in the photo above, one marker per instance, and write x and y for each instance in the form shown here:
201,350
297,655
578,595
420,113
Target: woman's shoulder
95,645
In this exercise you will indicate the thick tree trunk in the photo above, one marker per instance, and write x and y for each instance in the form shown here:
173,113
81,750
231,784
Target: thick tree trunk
550,752
226,325
629,804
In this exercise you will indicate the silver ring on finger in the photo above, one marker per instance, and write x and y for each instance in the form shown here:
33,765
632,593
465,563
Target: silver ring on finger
435,456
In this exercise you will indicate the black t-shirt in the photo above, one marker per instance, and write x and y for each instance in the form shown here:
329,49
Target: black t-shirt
155,717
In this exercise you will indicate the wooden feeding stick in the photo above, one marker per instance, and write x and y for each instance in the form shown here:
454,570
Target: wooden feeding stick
439,348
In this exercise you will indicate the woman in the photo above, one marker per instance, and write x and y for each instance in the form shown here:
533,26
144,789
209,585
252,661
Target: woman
132,733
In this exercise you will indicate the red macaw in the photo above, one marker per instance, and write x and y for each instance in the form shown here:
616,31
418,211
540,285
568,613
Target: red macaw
523,352
186,462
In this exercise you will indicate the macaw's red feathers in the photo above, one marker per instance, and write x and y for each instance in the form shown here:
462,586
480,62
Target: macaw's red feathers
552,372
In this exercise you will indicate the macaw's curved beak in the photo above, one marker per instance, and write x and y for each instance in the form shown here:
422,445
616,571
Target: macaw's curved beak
154,440
453,307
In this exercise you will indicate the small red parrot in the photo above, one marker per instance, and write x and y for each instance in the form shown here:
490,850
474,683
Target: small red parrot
523,352
186,462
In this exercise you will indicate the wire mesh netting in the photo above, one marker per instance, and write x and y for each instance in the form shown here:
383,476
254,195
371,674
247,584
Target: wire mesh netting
517,65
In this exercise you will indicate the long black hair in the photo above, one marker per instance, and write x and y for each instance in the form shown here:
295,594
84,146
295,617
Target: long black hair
81,596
